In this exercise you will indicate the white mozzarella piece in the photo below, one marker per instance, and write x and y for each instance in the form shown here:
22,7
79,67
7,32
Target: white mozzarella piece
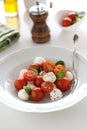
69,75
21,73
31,85
56,94
23,95
42,73
50,76
39,60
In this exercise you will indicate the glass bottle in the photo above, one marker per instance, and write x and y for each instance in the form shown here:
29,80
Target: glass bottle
11,8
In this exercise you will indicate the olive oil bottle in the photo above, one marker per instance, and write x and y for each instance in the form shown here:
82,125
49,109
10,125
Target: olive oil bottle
11,7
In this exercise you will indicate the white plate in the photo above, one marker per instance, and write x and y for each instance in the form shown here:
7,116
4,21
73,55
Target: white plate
11,65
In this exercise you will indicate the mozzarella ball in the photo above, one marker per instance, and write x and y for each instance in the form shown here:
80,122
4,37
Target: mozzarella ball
21,73
56,94
31,85
50,76
39,60
42,73
23,95
69,75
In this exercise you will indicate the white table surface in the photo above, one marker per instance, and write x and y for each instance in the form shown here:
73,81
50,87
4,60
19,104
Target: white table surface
73,118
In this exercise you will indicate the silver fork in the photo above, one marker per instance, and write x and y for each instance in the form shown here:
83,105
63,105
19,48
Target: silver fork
75,79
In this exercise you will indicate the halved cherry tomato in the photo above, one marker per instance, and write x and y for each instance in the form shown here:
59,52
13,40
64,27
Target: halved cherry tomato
30,75
59,68
48,66
63,84
37,94
19,83
72,15
38,81
47,86
66,22
37,66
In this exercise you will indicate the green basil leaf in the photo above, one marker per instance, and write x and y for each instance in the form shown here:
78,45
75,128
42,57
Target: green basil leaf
60,75
27,89
80,15
60,62
35,70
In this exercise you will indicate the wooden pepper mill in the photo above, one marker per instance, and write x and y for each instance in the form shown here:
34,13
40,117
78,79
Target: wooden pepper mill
40,30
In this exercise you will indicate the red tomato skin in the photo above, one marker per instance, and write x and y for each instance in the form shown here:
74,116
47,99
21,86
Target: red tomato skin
19,83
59,68
63,84
47,86
66,22
37,66
37,94
48,66
72,15
30,75
38,81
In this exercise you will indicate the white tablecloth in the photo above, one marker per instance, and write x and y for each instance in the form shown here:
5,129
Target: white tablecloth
74,118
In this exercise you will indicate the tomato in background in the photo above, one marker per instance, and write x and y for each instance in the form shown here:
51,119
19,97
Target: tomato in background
63,84
72,15
37,94
19,83
67,22
38,81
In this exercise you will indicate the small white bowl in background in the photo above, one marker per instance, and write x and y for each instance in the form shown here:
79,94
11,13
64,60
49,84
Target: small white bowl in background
60,15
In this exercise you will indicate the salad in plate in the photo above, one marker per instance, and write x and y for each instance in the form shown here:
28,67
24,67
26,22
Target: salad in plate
41,78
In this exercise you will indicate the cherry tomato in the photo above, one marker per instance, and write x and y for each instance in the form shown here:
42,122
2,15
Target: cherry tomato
19,83
48,66
38,81
30,75
37,66
59,68
37,94
63,84
72,15
47,86
66,22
